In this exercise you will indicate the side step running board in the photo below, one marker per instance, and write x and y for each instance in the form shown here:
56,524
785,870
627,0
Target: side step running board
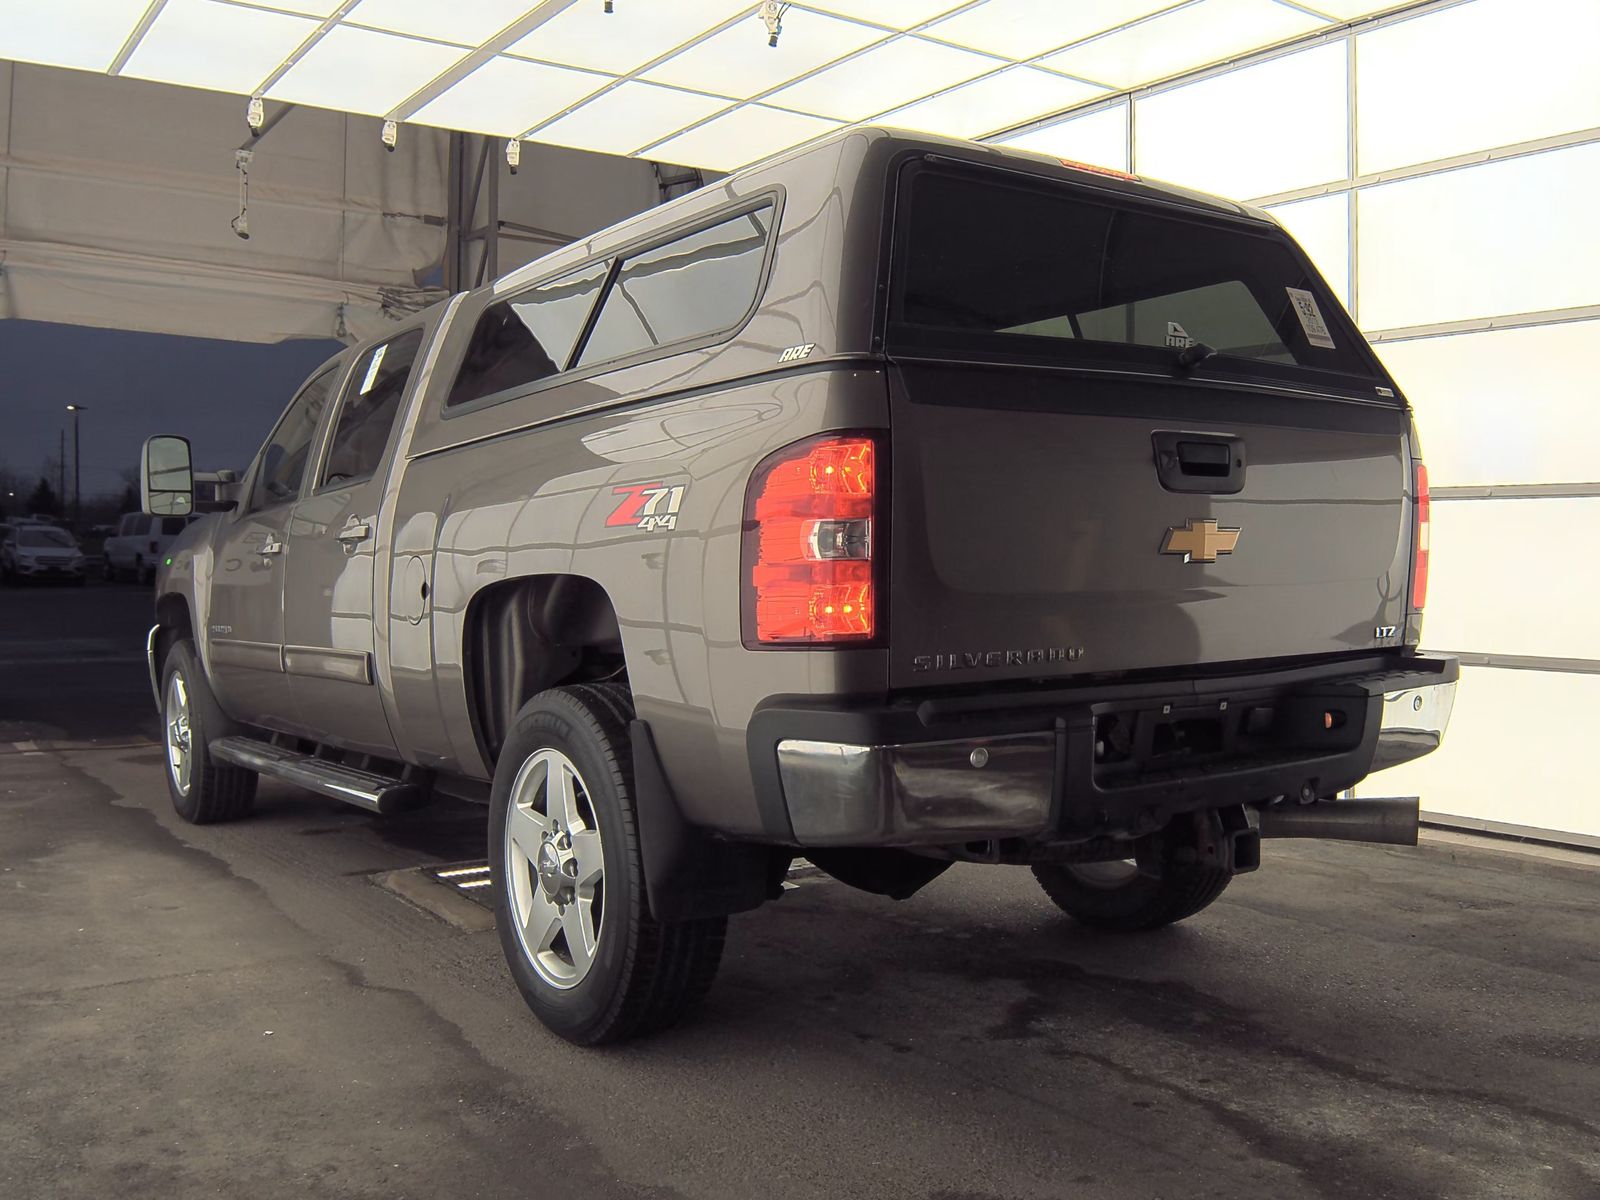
375,793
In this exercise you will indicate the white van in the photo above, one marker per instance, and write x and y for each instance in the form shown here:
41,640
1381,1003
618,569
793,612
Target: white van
139,544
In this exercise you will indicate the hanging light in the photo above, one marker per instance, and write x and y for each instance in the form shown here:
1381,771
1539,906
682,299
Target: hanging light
609,7
514,154
391,135
255,115
241,223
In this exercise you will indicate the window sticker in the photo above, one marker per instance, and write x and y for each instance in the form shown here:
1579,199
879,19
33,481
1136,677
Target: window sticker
1305,307
1178,337
377,361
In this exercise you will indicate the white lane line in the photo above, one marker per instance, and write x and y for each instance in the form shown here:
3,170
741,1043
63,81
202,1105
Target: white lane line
73,660
474,883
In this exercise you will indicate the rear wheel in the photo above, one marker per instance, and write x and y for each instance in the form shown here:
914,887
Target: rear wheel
574,925
1114,895
203,790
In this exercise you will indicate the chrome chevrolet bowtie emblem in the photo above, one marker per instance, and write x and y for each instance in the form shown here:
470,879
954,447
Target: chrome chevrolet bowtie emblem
1200,541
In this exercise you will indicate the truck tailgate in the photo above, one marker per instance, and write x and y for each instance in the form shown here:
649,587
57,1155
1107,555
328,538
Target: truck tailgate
1037,532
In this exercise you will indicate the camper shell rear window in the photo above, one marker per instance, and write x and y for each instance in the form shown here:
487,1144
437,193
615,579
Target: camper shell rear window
988,261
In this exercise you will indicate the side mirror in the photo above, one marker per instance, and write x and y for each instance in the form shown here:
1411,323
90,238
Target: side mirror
166,477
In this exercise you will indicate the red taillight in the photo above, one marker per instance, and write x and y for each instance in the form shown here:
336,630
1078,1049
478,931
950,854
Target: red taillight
808,544
1419,563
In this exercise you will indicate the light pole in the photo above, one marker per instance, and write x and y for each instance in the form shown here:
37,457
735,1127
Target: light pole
77,470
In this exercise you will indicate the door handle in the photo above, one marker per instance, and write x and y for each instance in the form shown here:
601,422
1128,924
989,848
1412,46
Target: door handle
1204,463
353,532
271,546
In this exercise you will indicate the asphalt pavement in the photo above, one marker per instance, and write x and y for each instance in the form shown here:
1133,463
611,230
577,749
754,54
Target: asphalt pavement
248,1011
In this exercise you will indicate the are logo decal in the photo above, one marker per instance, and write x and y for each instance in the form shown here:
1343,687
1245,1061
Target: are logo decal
796,353
648,506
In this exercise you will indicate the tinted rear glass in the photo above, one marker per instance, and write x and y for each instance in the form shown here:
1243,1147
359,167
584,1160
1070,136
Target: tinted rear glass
371,404
1044,270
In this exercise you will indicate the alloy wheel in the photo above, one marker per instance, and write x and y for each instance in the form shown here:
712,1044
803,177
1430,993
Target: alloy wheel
180,743
555,868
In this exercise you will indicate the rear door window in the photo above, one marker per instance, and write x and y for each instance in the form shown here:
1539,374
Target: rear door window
371,404
1041,269
530,337
695,286
284,457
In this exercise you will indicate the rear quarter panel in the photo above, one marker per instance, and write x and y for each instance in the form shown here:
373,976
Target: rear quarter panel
537,502
525,487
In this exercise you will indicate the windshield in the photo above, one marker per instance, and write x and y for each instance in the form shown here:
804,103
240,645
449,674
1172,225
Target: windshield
1034,267
56,538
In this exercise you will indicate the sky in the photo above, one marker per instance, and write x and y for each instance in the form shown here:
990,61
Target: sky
222,396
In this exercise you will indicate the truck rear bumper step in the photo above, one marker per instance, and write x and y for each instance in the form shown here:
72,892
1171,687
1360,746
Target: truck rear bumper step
871,781
376,793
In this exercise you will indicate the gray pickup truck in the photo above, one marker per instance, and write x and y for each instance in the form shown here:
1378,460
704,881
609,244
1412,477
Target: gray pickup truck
896,502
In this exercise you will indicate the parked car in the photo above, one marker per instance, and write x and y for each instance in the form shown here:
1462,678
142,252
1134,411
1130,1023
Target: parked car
31,550
139,544
898,502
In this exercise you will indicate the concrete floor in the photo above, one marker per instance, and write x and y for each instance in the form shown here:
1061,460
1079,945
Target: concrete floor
240,1010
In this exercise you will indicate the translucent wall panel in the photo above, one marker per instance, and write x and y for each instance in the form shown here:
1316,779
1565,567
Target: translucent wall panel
195,43
1271,128
1322,227
1514,577
1519,750
68,33
1100,138
1506,237
1508,406
1475,76
884,77
1190,36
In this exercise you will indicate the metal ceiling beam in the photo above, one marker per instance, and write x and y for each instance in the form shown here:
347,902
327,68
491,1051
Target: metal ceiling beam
509,36
304,48
137,36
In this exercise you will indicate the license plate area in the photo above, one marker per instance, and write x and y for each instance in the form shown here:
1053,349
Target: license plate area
1137,743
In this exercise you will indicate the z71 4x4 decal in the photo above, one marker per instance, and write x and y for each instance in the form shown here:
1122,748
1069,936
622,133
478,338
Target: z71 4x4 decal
647,506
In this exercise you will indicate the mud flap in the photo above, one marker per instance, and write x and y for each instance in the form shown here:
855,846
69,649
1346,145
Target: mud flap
688,874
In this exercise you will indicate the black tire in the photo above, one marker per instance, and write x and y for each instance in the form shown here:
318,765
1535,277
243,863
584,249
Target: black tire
216,791
644,976
1132,903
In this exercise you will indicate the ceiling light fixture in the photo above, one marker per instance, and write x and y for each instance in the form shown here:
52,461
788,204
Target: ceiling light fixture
241,223
255,115
772,12
391,135
610,8
514,154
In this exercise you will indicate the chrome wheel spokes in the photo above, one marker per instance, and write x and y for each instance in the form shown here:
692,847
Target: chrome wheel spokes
180,744
555,868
